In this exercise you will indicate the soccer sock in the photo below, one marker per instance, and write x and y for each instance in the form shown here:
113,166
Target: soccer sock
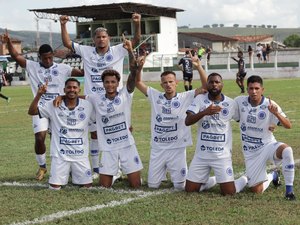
288,168
209,184
240,183
3,96
41,159
267,182
191,87
179,186
186,88
94,154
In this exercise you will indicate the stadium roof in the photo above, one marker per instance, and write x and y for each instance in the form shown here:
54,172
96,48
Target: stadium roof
106,11
208,36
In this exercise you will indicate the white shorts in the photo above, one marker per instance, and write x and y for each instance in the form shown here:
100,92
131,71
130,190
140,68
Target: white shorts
60,171
92,127
256,167
39,124
161,161
199,170
129,158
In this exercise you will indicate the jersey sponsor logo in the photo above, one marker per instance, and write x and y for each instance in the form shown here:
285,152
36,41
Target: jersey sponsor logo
166,110
104,119
158,118
261,115
165,139
225,104
205,124
251,119
245,103
70,141
253,140
117,139
136,160
212,137
49,96
263,107
290,167
94,70
211,149
115,128
98,89
65,130
96,78
165,129
72,152
110,108
253,148
71,122
80,108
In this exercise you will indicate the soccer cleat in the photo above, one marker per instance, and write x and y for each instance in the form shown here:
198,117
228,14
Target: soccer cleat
290,196
276,181
95,176
41,173
8,99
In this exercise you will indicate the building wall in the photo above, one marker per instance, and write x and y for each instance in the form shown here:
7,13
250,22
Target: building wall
4,49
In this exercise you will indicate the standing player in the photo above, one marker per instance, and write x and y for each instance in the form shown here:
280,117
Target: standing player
213,112
40,72
185,64
3,81
96,60
69,142
169,135
256,115
240,75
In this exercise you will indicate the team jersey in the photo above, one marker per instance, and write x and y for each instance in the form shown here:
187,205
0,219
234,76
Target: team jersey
187,64
113,120
168,129
56,75
70,129
94,65
214,131
242,66
255,123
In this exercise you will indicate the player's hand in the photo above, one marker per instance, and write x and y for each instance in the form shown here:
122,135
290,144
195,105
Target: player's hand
213,109
57,101
127,44
141,61
43,88
272,107
136,17
272,127
63,19
5,37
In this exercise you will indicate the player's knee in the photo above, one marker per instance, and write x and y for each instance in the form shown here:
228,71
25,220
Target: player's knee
192,187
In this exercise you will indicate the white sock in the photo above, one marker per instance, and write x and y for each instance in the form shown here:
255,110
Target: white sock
267,182
41,159
179,186
94,150
209,184
288,166
240,183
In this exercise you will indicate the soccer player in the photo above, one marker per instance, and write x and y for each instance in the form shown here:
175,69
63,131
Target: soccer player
256,114
113,117
40,72
69,148
185,64
169,135
240,76
213,112
95,60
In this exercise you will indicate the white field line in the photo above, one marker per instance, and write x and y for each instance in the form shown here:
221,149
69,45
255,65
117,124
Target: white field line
111,204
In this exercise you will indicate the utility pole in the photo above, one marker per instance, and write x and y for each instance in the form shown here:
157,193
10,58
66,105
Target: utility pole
37,34
50,34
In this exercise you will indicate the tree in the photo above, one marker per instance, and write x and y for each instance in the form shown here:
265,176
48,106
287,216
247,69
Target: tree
292,41
235,25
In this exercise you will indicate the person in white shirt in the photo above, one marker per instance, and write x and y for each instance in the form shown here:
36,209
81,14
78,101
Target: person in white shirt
40,72
69,148
256,115
213,112
169,135
96,59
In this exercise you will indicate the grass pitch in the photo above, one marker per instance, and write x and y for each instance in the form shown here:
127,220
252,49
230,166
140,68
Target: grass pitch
23,200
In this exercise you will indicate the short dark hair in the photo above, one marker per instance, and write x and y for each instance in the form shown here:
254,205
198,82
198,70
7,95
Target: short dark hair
110,72
72,79
255,79
213,75
165,73
45,48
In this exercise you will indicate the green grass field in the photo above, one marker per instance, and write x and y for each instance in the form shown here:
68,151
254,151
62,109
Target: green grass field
23,200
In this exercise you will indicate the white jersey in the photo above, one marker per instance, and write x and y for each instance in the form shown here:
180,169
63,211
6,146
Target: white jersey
168,129
56,75
214,131
94,65
113,120
255,123
70,129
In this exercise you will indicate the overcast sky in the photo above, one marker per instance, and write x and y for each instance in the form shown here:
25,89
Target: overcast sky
283,13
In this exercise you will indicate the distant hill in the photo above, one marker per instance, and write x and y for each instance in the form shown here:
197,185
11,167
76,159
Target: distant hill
28,38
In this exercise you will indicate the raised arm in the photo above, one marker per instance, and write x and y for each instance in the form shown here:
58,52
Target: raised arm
203,76
33,108
136,18
12,51
285,122
67,42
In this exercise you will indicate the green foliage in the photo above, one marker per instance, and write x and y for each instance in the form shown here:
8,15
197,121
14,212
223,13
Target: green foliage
17,164
292,41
